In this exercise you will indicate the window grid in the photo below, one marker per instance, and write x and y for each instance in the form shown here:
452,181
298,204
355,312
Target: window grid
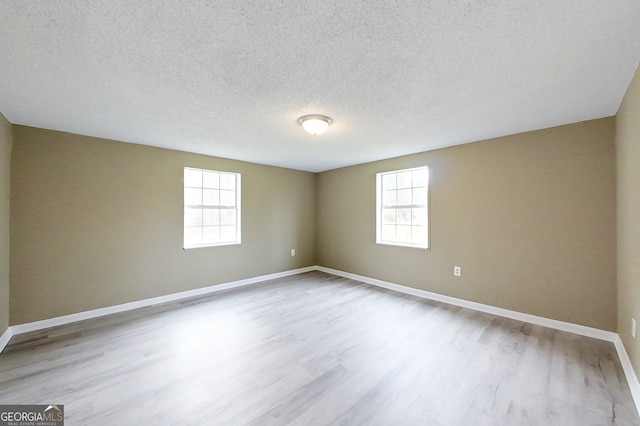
211,208
402,212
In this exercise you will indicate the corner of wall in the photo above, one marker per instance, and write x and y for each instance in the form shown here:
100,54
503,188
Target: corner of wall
627,137
6,141
316,226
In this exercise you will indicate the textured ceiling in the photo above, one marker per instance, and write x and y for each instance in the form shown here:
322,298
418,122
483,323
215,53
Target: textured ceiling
230,77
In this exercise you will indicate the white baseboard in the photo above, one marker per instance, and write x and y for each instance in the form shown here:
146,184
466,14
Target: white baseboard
609,336
533,319
95,313
629,372
4,339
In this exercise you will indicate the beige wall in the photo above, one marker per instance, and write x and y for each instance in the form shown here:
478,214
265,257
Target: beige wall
628,162
530,218
97,223
5,186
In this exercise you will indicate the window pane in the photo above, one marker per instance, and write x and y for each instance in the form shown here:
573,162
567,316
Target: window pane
211,217
389,216
419,234
192,196
193,235
419,196
388,232
192,177
227,181
227,217
211,197
211,207
404,197
227,198
419,216
192,217
421,177
389,198
211,180
404,217
403,233
404,179
227,233
210,234
389,181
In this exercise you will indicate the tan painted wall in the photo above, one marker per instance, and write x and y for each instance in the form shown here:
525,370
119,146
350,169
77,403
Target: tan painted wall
628,162
5,187
530,218
97,223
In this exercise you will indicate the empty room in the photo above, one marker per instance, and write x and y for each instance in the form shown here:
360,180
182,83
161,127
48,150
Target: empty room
333,213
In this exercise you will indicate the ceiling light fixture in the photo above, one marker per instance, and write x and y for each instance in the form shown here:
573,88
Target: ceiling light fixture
314,124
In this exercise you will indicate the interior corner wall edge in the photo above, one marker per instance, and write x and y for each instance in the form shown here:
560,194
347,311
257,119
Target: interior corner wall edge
530,219
97,223
5,197
628,230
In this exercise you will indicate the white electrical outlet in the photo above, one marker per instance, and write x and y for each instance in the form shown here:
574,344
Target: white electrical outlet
633,328
457,271
293,252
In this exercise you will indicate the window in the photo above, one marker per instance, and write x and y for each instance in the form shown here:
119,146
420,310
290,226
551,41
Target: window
211,208
403,207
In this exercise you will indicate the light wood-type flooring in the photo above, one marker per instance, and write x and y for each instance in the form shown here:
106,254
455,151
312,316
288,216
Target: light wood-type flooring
316,349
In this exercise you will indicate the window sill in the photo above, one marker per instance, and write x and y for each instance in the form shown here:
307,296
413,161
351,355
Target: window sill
234,243
407,245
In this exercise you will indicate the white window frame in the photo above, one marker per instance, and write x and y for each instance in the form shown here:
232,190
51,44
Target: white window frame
380,210
190,206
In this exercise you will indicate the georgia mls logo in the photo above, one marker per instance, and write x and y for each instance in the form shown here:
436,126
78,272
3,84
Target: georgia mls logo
32,415
57,411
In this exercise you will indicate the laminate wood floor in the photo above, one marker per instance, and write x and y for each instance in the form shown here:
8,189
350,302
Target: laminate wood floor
316,349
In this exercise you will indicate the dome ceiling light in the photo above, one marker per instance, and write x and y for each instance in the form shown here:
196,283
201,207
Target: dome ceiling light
314,124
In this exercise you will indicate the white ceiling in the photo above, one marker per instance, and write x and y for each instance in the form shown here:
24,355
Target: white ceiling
231,77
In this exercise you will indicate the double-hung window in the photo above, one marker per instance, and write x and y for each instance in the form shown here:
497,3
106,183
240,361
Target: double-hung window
403,207
211,208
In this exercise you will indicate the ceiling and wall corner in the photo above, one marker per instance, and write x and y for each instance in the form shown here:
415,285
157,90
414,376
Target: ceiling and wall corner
230,79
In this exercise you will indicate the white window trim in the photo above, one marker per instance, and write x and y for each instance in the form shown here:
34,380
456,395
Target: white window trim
427,245
238,240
